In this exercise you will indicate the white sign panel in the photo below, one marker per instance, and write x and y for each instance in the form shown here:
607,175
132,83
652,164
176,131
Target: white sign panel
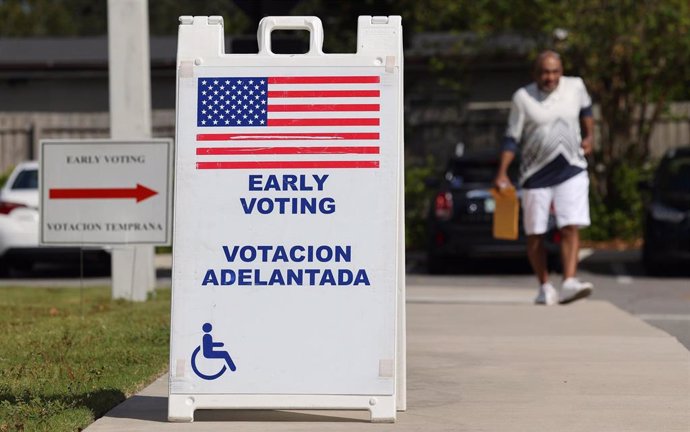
104,192
286,258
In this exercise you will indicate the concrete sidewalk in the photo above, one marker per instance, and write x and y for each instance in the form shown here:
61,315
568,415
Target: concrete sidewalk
486,359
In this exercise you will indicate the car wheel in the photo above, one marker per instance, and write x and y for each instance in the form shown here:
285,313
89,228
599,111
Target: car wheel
19,267
103,266
654,268
436,265
652,265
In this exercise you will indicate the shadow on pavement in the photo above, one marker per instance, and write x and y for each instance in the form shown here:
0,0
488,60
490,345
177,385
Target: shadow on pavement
614,262
138,407
274,416
155,409
416,263
628,263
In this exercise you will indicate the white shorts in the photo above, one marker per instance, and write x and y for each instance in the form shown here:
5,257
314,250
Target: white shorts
570,201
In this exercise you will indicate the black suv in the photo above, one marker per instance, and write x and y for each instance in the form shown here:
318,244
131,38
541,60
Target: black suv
667,215
461,216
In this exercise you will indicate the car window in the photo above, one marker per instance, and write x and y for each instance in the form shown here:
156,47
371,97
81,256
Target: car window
675,175
27,179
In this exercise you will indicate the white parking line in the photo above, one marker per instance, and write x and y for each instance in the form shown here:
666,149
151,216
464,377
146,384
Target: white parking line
584,253
469,300
664,317
620,272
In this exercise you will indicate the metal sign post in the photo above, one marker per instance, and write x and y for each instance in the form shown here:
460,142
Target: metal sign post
106,193
288,267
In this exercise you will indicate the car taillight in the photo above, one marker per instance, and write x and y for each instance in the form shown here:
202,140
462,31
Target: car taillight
440,239
6,207
557,237
443,205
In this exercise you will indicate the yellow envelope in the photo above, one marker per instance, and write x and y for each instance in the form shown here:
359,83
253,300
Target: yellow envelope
506,213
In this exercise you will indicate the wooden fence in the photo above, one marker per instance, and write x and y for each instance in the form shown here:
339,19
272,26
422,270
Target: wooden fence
428,130
21,132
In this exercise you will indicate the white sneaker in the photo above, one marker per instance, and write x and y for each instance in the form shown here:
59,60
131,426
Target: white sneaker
573,289
547,295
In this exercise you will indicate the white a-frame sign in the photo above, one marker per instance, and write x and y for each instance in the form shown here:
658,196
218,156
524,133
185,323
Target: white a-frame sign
288,264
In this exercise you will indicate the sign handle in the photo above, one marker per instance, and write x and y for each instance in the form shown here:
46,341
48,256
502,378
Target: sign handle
311,24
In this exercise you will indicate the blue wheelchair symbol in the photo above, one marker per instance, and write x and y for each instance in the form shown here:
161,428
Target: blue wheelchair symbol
207,349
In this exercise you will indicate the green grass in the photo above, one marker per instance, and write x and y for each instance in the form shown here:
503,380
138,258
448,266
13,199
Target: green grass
60,370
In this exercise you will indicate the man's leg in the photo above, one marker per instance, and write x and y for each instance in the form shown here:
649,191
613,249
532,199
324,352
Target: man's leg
570,246
572,288
572,211
571,203
535,211
537,257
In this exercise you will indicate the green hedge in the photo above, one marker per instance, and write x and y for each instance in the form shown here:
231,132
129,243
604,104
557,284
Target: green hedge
417,198
617,210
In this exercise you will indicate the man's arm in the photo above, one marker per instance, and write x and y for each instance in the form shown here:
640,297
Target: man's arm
502,180
508,148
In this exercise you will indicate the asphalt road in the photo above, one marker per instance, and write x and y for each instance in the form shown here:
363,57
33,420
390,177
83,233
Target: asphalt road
618,277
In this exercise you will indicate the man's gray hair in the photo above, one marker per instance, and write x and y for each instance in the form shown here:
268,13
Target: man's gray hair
543,56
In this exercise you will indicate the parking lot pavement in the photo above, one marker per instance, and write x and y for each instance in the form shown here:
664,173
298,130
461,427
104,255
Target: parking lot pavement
485,358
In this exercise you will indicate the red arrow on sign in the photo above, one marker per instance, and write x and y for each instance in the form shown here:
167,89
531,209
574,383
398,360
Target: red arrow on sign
140,193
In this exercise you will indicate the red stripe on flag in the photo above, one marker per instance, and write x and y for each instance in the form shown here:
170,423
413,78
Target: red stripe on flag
325,80
324,107
324,122
288,136
201,151
323,93
287,164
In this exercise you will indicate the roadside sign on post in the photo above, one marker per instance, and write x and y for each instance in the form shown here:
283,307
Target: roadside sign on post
104,192
288,267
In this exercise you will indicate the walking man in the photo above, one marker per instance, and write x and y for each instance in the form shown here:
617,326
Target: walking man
551,123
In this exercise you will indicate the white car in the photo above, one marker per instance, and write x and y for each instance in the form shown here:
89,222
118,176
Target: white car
19,227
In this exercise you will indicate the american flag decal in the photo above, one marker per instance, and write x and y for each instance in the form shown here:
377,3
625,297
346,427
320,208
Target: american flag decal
298,120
